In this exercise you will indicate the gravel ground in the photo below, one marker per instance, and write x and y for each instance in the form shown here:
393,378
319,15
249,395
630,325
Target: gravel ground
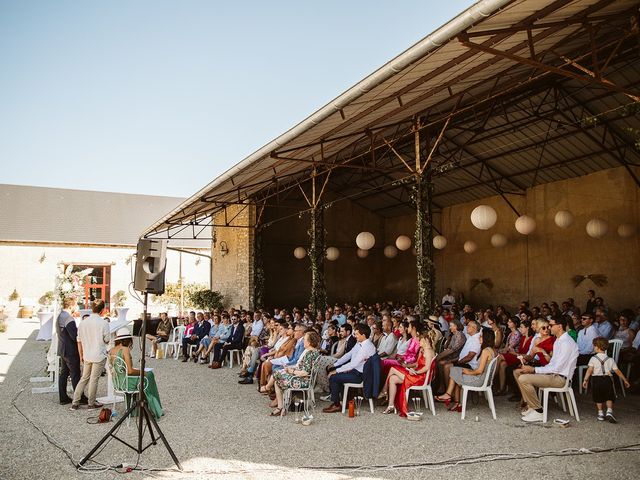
219,428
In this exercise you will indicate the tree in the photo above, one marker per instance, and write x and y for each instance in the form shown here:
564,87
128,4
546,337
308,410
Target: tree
206,299
171,295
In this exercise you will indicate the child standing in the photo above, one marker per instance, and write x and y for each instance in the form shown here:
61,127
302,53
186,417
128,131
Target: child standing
600,368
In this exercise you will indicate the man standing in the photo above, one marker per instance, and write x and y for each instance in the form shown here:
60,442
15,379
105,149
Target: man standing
93,337
68,350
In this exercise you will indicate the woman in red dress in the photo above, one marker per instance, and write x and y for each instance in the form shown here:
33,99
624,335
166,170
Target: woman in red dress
401,378
509,354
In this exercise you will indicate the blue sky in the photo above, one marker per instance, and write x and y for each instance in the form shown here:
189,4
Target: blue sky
160,97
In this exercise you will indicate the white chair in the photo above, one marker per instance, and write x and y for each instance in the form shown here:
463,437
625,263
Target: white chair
118,369
308,394
567,390
238,353
347,386
485,387
175,340
616,346
581,370
426,387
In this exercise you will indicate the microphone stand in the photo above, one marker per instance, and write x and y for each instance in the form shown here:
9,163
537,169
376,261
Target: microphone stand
144,414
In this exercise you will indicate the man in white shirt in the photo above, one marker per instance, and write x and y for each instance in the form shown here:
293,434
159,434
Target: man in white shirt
468,357
554,374
349,368
257,325
586,335
388,342
93,337
448,299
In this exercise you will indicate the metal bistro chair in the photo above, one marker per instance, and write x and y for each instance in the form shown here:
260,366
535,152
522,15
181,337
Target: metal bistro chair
426,387
485,387
175,340
308,394
118,369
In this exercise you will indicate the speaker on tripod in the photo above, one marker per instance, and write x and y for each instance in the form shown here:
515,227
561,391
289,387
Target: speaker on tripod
151,260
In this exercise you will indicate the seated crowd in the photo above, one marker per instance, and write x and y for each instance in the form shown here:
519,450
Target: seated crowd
391,348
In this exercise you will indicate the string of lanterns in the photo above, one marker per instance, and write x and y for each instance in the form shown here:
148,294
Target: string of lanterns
483,217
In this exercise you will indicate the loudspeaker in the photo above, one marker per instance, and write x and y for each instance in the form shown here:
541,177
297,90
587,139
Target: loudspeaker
151,260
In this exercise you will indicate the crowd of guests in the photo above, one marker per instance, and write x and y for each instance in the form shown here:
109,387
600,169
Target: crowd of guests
391,348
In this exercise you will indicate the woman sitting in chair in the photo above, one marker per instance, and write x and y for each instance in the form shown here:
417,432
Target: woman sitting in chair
400,379
126,375
298,376
466,376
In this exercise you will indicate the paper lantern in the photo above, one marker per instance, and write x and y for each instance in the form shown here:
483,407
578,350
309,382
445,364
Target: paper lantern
525,224
626,230
332,254
299,253
362,253
439,242
470,246
597,228
403,243
498,240
365,240
483,217
563,219
390,251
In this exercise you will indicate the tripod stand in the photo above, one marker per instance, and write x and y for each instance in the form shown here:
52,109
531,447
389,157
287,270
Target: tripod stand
144,414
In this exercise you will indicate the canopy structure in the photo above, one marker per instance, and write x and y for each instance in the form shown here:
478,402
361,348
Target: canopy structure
508,95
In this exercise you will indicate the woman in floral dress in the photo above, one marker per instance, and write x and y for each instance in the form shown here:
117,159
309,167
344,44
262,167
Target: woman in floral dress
298,376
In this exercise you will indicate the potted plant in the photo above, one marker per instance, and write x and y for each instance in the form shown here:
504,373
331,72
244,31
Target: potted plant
46,301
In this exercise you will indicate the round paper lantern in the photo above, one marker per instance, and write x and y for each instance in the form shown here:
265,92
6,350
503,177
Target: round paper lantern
498,240
525,224
626,230
483,217
439,242
365,240
299,253
390,251
563,219
332,254
470,246
597,228
403,243
362,253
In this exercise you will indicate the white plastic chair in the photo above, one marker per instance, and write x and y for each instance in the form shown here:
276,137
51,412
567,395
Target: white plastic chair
581,370
485,387
175,340
238,353
567,390
426,387
308,394
347,386
616,346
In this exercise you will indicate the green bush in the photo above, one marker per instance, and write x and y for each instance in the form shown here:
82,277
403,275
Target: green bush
206,299
171,294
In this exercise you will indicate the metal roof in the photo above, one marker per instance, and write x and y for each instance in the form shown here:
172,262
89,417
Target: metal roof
523,93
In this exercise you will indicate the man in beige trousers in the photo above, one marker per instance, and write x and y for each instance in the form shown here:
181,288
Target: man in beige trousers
93,337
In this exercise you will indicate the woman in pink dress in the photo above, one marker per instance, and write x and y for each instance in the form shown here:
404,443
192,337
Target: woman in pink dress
409,358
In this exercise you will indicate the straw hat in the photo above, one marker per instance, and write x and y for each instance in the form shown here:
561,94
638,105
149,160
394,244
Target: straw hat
122,333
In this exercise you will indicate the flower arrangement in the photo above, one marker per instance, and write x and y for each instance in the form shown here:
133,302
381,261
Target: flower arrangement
70,283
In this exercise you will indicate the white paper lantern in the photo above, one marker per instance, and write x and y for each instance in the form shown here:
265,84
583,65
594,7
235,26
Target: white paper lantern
483,217
362,253
626,230
332,254
564,219
525,224
470,246
498,240
403,243
390,251
439,242
597,228
365,240
299,253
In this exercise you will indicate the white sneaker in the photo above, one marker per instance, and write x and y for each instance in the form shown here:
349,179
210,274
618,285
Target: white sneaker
527,412
533,416
326,398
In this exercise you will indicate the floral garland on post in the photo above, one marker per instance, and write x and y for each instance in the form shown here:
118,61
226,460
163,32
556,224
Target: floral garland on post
69,283
421,195
316,232
258,269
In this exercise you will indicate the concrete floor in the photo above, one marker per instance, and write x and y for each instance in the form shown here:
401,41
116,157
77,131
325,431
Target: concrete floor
218,427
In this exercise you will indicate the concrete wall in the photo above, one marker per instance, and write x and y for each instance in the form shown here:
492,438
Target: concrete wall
21,269
232,273
539,267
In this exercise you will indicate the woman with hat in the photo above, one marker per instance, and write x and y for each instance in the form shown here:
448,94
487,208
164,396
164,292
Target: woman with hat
131,377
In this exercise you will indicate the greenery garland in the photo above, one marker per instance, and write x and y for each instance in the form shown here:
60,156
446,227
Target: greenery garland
258,269
316,233
421,194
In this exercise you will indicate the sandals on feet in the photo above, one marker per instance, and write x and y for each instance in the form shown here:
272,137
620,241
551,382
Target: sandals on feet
278,412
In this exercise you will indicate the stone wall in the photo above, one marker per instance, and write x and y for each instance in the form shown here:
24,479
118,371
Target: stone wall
232,273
